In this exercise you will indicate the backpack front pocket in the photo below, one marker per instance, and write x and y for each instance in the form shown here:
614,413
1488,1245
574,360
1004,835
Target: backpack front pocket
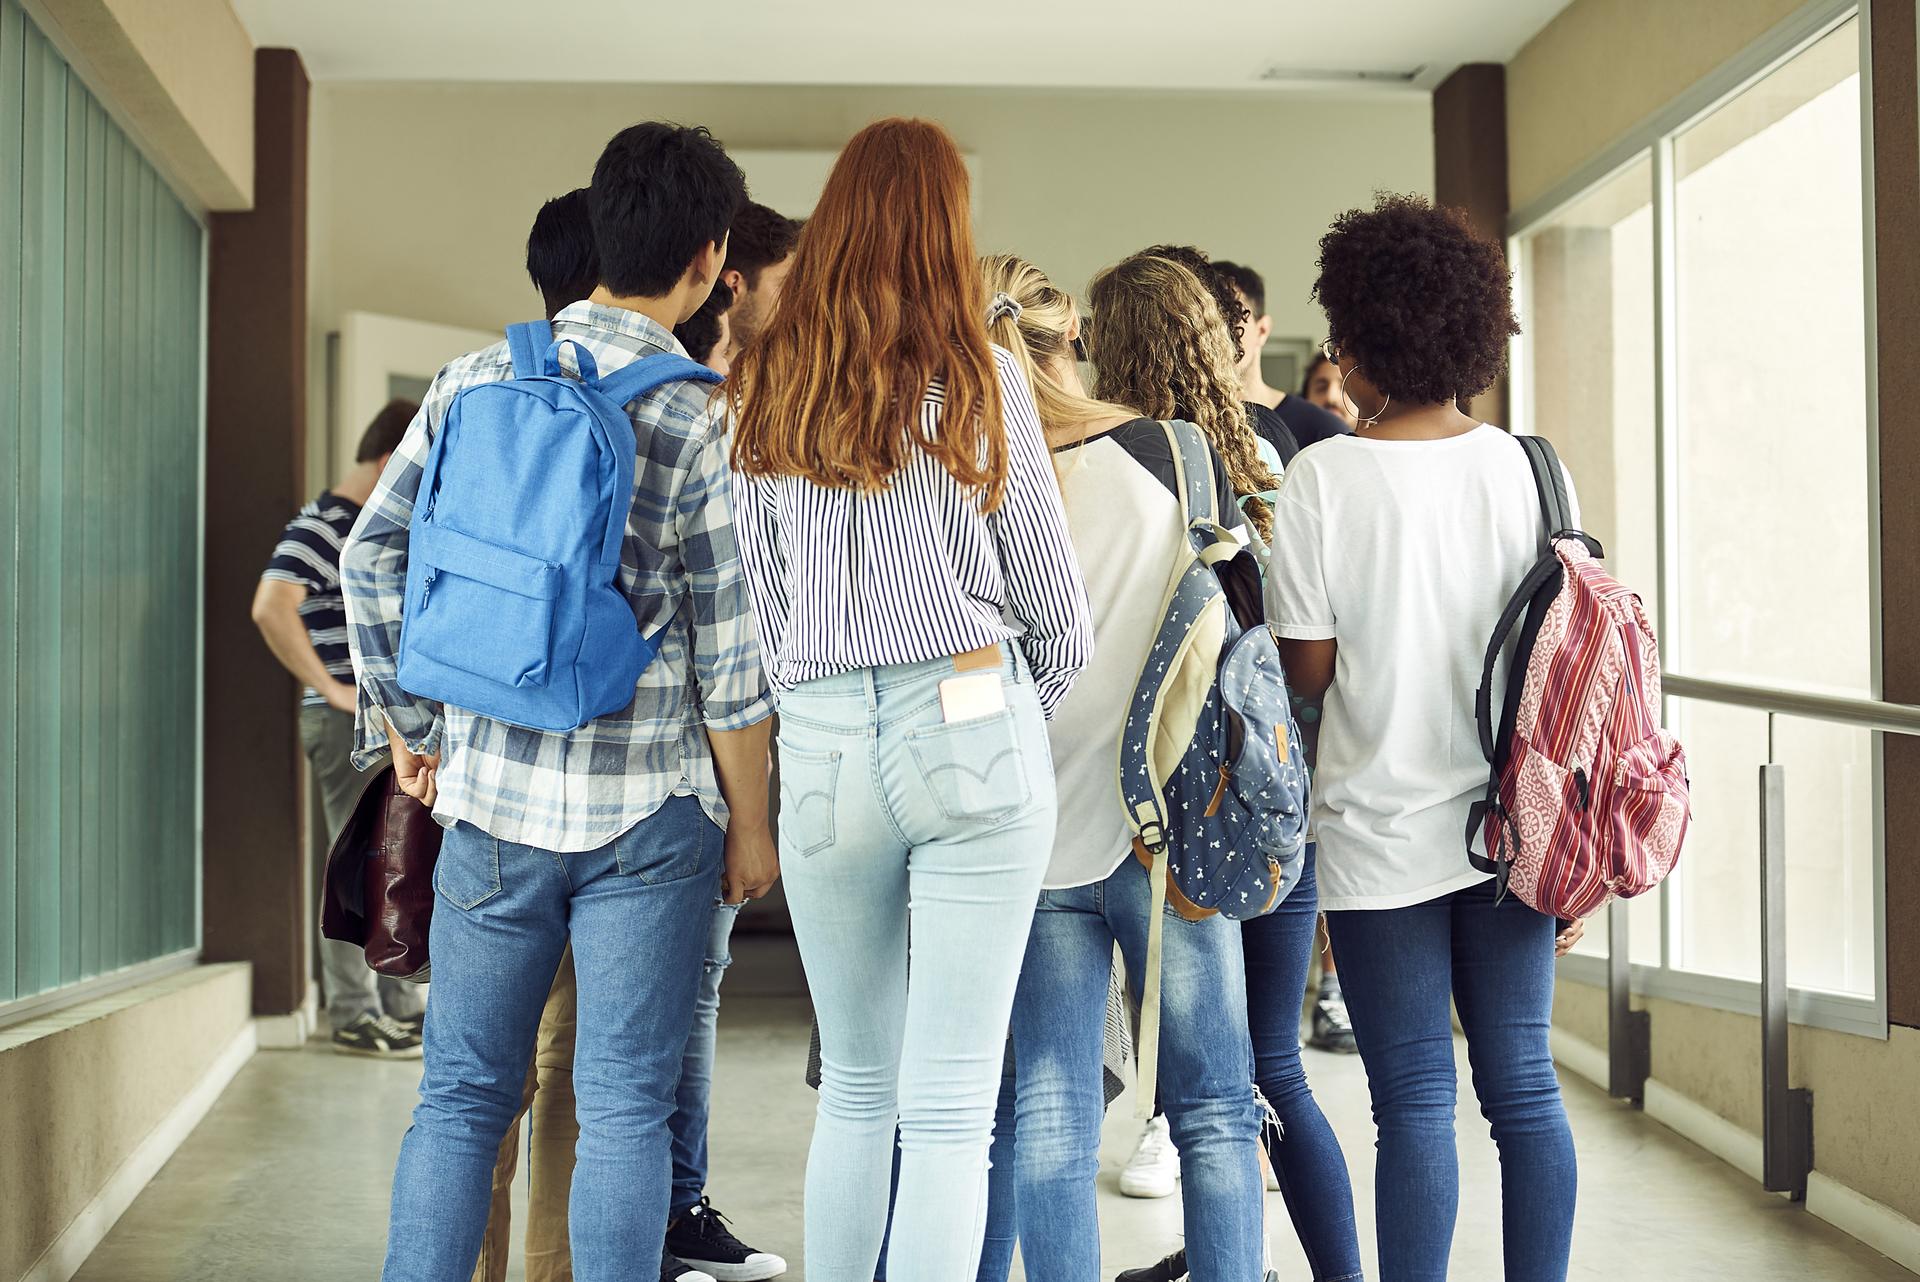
483,609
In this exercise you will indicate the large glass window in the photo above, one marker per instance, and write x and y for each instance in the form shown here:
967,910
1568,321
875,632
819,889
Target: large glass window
99,522
1747,505
1773,531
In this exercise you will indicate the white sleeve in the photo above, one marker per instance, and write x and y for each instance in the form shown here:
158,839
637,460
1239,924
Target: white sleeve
1297,601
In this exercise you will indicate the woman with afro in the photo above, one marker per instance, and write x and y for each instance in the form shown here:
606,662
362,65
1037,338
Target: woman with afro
1394,551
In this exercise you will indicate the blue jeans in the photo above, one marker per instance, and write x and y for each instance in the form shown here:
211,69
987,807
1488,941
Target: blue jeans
1398,967
888,813
996,1252
1305,1152
695,1098
1059,1016
503,915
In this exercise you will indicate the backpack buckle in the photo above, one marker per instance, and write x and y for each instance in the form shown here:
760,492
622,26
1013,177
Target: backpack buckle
1153,836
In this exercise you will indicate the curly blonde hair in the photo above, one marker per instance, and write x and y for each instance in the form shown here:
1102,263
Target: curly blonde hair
1159,342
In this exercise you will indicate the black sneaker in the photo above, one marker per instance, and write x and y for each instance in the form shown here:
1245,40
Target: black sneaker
1171,1269
377,1037
701,1238
1332,1031
671,1270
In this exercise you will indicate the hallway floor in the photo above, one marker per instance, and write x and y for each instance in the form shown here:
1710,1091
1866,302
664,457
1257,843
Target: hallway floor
287,1179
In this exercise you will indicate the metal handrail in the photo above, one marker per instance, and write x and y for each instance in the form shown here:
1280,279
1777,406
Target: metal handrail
1786,1111
1872,714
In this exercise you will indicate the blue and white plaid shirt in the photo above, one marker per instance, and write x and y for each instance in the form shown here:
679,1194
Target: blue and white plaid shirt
578,791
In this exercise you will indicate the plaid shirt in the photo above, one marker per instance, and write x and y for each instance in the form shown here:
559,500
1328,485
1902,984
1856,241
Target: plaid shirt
579,790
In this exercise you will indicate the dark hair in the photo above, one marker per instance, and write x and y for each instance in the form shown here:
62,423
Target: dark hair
1314,362
660,194
1418,298
700,332
382,436
1247,281
760,238
561,259
1218,283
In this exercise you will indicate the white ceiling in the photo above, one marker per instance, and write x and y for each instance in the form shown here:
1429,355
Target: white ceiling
1148,44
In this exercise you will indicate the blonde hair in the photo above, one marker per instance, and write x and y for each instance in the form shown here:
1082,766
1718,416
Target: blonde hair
1036,337
1158,341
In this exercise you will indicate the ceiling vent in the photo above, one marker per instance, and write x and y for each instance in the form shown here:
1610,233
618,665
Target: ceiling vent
1325,75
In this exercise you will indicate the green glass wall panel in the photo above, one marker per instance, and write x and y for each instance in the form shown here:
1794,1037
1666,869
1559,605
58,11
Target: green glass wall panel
100,362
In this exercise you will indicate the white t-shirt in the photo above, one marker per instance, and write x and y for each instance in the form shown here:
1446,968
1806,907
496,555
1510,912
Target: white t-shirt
1125,524
1403,552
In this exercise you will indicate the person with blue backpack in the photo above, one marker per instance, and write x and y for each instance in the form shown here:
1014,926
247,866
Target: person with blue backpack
552,633
564,267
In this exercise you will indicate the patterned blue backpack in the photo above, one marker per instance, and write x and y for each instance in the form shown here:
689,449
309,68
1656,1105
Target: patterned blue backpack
514,608
1211,768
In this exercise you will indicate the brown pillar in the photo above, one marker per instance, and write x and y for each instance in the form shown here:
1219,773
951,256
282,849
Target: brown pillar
255,899
1470,168
1896,222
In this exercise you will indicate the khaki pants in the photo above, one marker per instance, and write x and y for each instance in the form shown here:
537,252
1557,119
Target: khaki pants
549,1103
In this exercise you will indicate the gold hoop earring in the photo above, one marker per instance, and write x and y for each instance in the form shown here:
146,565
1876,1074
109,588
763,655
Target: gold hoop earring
1354,409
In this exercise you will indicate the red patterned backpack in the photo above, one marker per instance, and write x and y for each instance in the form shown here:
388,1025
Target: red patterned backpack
1587,798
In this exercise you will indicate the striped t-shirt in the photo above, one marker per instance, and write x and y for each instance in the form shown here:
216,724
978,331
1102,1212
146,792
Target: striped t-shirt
309,554
844,580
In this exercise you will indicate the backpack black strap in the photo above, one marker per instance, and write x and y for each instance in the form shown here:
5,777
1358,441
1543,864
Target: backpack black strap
1531,600
1549,482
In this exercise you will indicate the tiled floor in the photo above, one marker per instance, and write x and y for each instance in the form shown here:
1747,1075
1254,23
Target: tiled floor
287,1179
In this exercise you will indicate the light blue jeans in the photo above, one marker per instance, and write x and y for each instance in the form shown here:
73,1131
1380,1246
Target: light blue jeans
889,814
1206,1058
637,913
695,1098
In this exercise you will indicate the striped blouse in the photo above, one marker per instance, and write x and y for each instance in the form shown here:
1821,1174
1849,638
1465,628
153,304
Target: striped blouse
844,581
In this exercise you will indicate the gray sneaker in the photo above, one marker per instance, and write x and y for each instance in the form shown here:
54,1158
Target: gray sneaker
377,1037
1332,1030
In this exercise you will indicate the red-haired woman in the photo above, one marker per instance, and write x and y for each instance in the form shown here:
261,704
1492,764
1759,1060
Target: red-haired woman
895,505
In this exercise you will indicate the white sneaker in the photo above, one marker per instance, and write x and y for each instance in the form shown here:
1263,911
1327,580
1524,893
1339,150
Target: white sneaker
1154,1168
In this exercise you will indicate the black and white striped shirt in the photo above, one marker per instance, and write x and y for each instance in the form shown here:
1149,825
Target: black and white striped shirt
844,581
309,554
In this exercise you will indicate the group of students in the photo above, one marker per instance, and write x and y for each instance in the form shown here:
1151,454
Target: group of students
908,522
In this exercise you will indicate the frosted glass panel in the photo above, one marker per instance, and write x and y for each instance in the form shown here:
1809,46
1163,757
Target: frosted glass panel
99,500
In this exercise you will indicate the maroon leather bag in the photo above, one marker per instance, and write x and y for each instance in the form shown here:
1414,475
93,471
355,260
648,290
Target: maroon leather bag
379,884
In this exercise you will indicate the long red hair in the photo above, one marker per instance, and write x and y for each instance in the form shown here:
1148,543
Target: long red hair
884,297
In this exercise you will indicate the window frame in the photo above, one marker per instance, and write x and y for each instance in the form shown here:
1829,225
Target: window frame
1653,141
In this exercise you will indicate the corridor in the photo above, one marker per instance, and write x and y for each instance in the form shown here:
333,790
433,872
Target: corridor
288,1177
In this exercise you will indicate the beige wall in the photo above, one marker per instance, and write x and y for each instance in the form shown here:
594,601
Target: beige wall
81,1089
1603,66
1866,1092
422,195
178,74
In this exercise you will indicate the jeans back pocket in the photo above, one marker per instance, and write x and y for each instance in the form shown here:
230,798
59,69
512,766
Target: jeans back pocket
975,769
808,780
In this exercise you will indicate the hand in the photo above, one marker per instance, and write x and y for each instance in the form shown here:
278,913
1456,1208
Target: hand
341,697
753,864
416,774
1566,939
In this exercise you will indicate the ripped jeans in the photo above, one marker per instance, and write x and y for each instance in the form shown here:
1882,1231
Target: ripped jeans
689,1121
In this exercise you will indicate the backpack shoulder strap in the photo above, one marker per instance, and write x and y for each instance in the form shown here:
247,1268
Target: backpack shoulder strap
1549,482
639,378
1193,472
527,345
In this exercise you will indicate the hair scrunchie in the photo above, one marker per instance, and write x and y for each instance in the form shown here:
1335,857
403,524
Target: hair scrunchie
1003,307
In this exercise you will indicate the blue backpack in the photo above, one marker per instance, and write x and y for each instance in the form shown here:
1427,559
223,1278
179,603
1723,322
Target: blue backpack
514,608
1211,768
